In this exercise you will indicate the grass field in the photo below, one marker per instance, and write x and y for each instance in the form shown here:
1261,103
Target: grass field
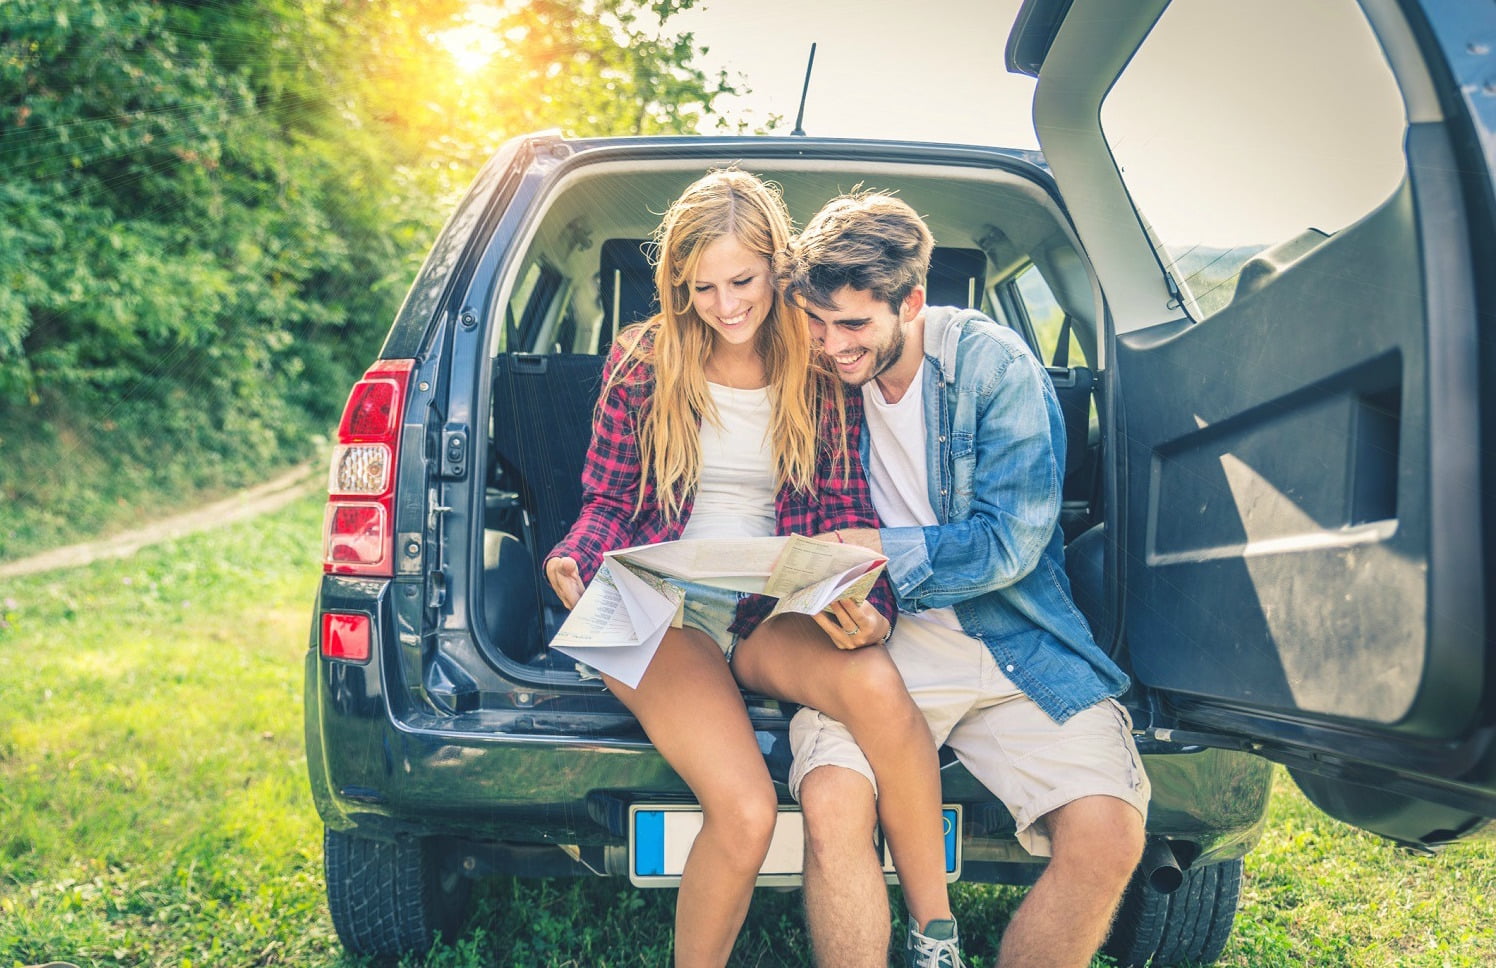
154,808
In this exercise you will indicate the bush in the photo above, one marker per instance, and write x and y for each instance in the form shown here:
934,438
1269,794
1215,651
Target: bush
209,213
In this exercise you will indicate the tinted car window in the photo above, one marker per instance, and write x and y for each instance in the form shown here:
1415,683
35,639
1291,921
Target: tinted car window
1048,320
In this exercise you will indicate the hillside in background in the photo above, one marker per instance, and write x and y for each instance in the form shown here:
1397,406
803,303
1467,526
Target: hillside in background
1210,273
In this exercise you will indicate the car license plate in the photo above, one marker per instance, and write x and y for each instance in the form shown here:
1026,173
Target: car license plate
660,837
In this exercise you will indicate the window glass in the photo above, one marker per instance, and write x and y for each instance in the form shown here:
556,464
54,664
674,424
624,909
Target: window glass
1047,318
1233,134
514,310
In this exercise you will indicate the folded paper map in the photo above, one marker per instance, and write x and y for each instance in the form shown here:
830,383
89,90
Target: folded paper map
630,603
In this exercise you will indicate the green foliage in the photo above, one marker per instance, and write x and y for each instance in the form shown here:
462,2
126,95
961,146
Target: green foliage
209,212
154,808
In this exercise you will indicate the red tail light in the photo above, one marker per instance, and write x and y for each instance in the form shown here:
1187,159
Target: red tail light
345,636
358,534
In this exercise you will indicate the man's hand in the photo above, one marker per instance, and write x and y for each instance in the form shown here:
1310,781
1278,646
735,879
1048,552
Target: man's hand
863,537
852,625
565,579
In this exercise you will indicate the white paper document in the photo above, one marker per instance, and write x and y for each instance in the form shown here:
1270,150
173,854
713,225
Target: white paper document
628,606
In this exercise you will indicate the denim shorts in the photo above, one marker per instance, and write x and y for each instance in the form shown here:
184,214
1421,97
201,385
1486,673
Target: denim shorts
711,610
708,609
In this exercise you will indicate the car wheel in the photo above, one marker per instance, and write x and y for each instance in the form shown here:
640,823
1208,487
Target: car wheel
390,898
1190,925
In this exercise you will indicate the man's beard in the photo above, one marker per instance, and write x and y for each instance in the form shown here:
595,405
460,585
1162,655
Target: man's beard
884,357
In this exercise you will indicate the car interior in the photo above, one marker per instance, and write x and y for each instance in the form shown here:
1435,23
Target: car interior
586,273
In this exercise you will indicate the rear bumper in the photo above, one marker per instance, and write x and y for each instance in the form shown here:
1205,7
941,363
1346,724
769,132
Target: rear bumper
560,770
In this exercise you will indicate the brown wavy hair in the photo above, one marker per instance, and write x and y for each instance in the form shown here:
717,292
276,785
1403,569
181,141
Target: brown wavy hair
871,241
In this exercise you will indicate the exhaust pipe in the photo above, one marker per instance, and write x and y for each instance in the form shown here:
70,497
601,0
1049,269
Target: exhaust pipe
1160,867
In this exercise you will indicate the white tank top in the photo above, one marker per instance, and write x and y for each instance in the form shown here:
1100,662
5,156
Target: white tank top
735,495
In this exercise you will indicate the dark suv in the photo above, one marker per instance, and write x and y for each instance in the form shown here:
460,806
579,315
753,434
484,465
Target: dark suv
1261,273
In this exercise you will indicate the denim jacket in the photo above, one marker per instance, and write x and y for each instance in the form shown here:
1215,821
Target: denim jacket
996,446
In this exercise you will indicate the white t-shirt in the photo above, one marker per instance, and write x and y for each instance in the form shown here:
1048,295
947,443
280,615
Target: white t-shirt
735,495
897,472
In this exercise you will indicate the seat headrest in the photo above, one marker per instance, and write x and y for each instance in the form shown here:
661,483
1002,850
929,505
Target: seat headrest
957,277
625,284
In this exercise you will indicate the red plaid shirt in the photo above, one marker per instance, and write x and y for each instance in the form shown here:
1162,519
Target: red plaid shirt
613,474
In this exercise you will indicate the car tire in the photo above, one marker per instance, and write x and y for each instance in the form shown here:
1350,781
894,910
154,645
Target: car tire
391,898
1188,926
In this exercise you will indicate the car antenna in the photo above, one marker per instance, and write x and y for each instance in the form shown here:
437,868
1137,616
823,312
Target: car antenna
800,118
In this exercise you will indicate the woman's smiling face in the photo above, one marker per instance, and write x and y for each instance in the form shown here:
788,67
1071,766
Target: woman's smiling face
732,291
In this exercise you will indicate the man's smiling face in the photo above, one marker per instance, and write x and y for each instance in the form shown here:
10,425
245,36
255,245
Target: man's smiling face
861,335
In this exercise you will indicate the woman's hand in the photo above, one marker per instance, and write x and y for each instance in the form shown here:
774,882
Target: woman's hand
565,579
853,625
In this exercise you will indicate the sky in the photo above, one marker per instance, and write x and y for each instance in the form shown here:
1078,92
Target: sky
1228,130
932,70
924,71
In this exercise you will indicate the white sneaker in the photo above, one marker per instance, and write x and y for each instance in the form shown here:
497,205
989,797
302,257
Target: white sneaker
938,946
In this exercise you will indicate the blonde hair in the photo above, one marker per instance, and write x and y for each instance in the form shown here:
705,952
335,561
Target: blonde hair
677,342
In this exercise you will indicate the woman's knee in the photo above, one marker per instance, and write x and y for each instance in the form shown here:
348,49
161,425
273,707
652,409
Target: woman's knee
868,684
747,821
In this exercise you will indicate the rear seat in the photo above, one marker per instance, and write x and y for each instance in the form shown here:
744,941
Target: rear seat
542,424
625,285
957,277
543,406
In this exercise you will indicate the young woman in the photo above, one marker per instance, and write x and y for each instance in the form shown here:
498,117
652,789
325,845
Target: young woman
715,421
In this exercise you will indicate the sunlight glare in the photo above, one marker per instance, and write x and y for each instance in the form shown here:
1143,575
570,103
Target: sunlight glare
472,45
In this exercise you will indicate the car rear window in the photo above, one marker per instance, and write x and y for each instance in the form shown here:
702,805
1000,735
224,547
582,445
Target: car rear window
1233,135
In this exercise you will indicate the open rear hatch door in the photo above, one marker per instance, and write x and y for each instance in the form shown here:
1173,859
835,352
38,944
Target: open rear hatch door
1296,255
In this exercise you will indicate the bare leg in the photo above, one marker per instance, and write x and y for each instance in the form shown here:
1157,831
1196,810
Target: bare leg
1097,842
846,901
790,658
690,705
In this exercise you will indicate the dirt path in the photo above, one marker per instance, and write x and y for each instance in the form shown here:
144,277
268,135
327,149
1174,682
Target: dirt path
246,504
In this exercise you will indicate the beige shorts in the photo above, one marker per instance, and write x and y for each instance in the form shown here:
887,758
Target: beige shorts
1029,762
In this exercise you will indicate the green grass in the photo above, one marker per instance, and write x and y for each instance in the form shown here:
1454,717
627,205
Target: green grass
154,808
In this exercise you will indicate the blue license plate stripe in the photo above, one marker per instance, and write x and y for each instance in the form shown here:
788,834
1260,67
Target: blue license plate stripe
649,843
952,837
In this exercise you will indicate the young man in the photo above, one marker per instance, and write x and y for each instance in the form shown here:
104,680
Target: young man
963,449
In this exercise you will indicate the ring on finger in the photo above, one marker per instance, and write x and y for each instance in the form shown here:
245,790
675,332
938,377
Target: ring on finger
854,630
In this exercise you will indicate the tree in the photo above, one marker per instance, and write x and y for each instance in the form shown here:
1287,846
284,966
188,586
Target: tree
209,211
